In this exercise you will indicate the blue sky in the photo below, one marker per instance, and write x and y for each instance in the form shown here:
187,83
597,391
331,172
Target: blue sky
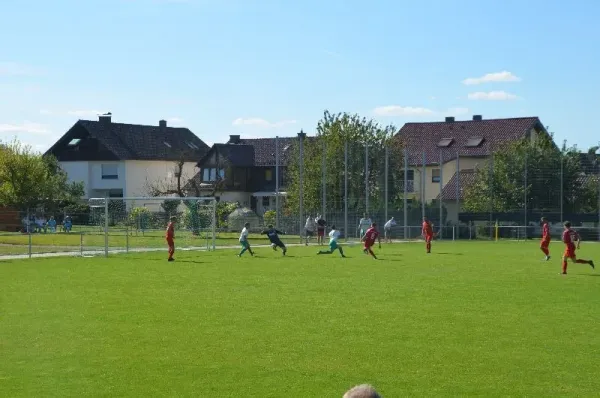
266,68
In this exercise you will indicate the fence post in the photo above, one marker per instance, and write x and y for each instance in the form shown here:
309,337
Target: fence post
277,182
386,176
323,181
301,187
525,197
126,238
457,183
81,243
29,235
405,199
367,179
214,225
346,189
423,182
441,192
106,226
562,186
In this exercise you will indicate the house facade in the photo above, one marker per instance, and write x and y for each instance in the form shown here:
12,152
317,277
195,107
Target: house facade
125,160
245,171
442,156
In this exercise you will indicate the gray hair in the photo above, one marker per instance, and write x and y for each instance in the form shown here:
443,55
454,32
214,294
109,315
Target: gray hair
362,391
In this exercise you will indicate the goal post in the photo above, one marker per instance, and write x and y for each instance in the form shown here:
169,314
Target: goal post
138,223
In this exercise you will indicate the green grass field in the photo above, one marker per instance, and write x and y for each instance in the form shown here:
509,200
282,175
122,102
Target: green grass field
473,318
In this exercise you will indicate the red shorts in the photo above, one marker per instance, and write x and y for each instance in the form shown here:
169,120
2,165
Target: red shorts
545,243
369,245
428,238
321,232
570,253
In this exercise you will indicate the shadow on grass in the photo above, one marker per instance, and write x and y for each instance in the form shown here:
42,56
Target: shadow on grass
451,254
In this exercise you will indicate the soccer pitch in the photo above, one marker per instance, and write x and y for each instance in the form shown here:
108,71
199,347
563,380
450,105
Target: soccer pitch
472,318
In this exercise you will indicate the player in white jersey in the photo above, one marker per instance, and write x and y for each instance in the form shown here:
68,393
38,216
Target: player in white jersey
334,235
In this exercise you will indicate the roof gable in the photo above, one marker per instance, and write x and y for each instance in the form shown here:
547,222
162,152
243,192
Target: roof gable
465,138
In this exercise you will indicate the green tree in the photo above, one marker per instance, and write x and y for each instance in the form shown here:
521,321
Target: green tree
333,132
528,170
29,180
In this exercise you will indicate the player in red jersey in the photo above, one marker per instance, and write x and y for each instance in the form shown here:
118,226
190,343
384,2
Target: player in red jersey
545,244
572,241
369,239
427,232
170,237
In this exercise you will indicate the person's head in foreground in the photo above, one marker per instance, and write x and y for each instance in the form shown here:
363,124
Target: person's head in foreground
567,224
362,391
544,220
173,219
374,225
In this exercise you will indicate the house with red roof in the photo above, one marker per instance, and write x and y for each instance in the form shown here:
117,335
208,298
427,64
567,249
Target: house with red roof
443,156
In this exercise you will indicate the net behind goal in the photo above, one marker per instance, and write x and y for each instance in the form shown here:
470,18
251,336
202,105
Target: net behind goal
138,224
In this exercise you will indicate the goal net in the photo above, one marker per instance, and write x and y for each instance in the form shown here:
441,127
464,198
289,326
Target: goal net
139,224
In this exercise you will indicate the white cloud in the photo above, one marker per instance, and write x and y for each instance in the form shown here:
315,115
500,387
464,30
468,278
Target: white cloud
432,98
503,76
397,110
83,113
258,122
45,112
15,69
175,120
25,127
492,96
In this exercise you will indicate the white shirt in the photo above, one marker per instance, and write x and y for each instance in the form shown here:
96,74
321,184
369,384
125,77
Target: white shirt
334,235
244,235
389,224
310,224
365,223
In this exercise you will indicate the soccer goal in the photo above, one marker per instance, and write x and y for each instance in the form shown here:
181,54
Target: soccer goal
138,224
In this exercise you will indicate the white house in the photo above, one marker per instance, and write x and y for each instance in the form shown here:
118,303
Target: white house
125,160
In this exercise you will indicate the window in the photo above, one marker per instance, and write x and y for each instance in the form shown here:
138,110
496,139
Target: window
445,142
74,141
167,144
210,174
269,175
474,142
411,175
435,175
192,145
110,171
266,201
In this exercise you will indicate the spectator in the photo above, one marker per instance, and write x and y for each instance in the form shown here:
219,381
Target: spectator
67,224
40,223
363,224
51,224
387,229
362,391
309,228
321,226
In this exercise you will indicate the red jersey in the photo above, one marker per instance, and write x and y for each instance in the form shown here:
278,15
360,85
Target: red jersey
546,231
370,237
569,237
427,229
170,231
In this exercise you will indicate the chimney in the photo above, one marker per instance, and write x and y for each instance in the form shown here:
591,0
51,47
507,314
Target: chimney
449,119
234,139
162,124
105,119
301,135
477,118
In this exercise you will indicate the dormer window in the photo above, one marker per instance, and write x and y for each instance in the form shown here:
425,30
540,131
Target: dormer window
167,144
445,142
474,142
74,142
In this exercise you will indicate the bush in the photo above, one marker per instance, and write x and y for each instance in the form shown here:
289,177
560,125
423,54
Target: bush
270,217
224,209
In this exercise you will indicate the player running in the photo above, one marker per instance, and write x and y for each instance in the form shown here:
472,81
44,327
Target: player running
545,244
244,240
273,236
427,231
572,241
369,239
170,237
334,235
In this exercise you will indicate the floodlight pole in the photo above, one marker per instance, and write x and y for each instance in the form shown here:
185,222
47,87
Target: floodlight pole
106,226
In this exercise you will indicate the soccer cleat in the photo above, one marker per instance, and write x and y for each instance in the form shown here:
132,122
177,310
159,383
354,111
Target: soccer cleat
547,258
171,259
592,264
